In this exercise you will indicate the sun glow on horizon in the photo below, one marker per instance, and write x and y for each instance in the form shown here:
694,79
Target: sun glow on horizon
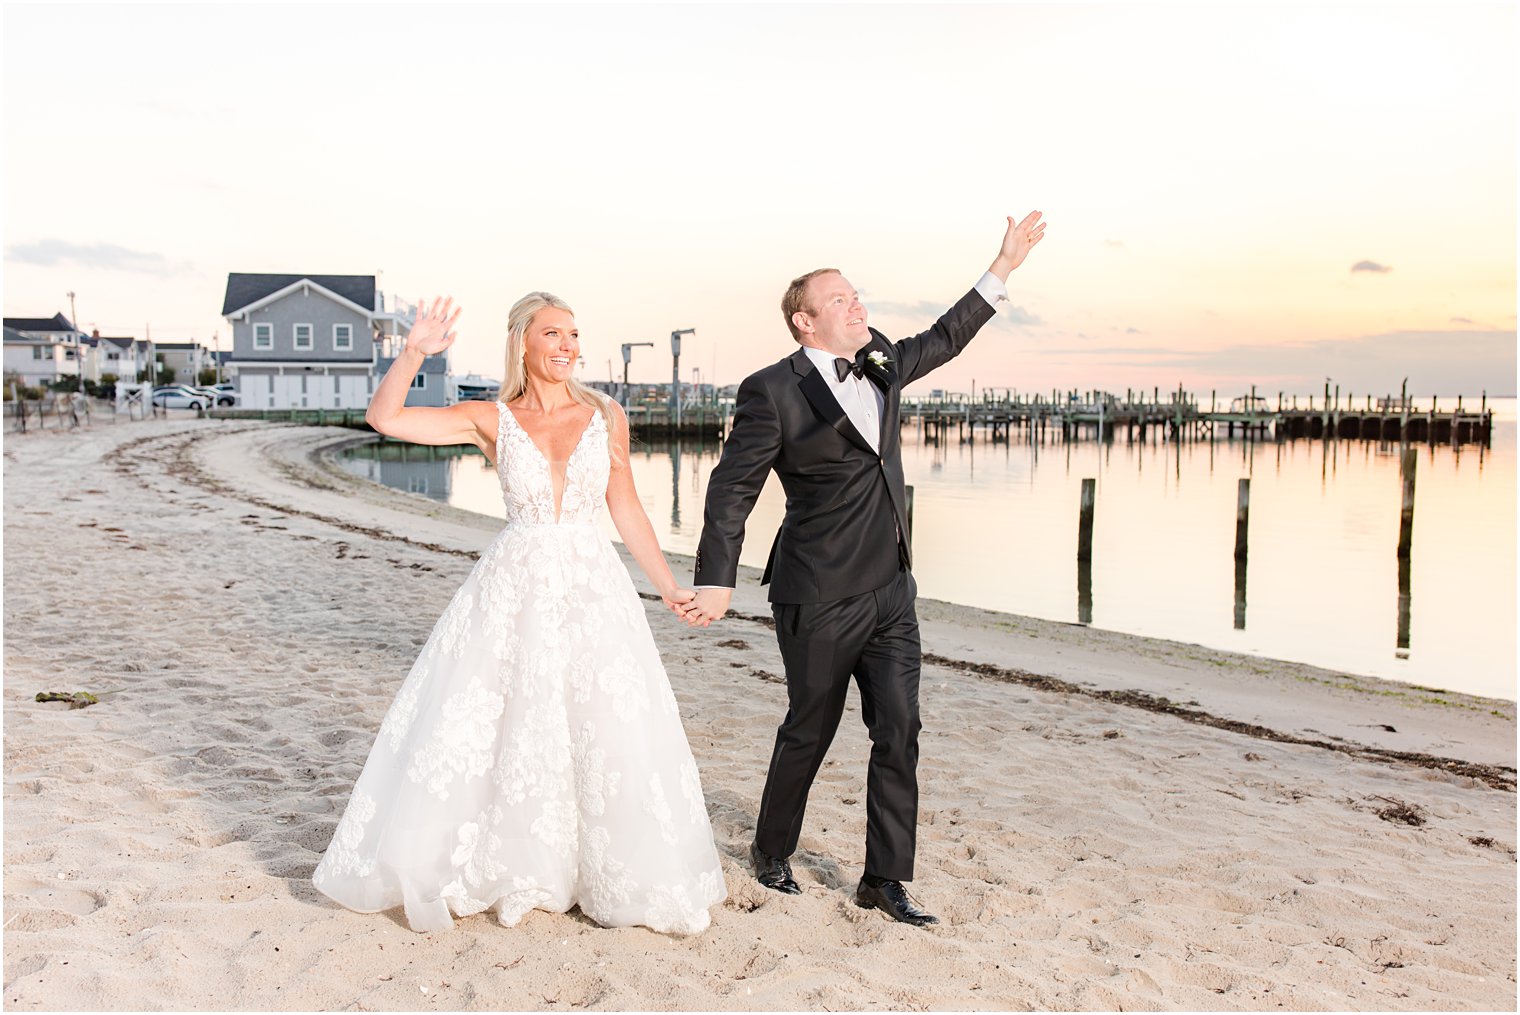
1211,176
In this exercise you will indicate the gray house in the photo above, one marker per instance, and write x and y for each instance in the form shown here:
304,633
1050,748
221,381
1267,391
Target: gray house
429,387
313,341
186,359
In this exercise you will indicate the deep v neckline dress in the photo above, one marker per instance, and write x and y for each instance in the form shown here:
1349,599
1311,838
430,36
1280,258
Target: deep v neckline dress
534,756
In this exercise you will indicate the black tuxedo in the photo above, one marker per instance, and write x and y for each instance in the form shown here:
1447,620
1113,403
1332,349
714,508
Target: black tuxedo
840,588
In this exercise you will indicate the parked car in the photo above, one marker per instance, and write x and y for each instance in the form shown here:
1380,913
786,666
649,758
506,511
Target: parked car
178,396
218,395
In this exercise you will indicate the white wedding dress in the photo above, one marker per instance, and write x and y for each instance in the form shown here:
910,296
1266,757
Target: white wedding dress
534,758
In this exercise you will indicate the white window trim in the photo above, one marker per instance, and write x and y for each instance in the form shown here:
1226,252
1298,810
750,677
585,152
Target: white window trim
295,337
346,346
268,342
419,383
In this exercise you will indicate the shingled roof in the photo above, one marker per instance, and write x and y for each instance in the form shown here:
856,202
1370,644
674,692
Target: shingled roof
244,288
55,323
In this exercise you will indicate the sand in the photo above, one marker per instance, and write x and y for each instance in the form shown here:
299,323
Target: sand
1106,821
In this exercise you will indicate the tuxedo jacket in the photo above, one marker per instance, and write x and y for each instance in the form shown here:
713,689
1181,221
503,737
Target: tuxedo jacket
845,503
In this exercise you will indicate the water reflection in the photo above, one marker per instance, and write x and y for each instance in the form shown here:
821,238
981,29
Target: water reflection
1240,593
414,468
675,486
1401,641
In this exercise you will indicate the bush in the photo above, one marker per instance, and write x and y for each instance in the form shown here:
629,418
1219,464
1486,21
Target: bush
206,377
66,382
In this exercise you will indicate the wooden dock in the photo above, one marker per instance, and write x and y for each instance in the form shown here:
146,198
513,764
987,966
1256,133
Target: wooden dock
1182,416
1074,415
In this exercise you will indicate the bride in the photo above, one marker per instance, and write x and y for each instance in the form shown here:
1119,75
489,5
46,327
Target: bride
534,757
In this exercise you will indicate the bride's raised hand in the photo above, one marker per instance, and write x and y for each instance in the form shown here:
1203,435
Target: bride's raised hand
433,331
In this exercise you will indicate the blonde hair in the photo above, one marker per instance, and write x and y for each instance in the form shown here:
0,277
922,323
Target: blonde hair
515,374
793,300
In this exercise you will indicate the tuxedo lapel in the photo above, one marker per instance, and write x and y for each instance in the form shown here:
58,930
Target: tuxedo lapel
890,414
817,392
890,391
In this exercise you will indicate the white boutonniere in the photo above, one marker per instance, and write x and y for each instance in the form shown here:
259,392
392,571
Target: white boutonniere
878,359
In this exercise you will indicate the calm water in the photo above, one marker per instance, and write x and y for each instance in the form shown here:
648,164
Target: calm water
995,526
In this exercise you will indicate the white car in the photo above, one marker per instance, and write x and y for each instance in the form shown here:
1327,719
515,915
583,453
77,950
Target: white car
178,396
220,395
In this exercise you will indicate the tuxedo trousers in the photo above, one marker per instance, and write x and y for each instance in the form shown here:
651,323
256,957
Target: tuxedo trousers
872,637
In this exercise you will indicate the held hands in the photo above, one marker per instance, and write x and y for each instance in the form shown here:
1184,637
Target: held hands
677,600
707,606
1017,243
433,330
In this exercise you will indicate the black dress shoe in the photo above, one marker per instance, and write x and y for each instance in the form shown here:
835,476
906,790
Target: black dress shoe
891,898
773,872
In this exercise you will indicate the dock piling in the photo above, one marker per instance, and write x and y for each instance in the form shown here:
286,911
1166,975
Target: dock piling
1085,520
1406,509
1242,517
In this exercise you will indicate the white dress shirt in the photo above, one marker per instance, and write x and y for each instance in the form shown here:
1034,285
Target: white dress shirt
861,399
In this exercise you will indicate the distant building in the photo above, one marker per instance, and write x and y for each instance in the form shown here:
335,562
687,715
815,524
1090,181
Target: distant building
318,341
186,359
124,357
42,349
430,386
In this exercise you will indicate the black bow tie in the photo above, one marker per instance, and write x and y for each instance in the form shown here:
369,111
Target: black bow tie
844,367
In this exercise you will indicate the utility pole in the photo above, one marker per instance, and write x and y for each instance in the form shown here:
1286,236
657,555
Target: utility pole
78,344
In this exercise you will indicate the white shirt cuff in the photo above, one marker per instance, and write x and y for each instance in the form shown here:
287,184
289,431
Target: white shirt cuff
992,289
699,588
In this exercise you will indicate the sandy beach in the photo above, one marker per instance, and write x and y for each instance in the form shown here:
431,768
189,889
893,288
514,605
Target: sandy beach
1107,821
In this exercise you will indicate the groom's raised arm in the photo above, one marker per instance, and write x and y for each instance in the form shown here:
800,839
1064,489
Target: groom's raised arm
752,447
946,338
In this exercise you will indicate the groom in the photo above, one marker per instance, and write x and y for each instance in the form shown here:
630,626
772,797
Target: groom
826,420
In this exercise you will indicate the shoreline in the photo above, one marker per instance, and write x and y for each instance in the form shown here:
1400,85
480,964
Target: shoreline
1100,826
1443,667
963,644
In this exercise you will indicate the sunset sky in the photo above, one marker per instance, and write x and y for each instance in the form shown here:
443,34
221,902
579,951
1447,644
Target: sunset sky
1236,194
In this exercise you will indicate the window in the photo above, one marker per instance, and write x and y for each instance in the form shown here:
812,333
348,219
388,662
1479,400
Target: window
263,336
41,352
419,382
303,336
343,337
